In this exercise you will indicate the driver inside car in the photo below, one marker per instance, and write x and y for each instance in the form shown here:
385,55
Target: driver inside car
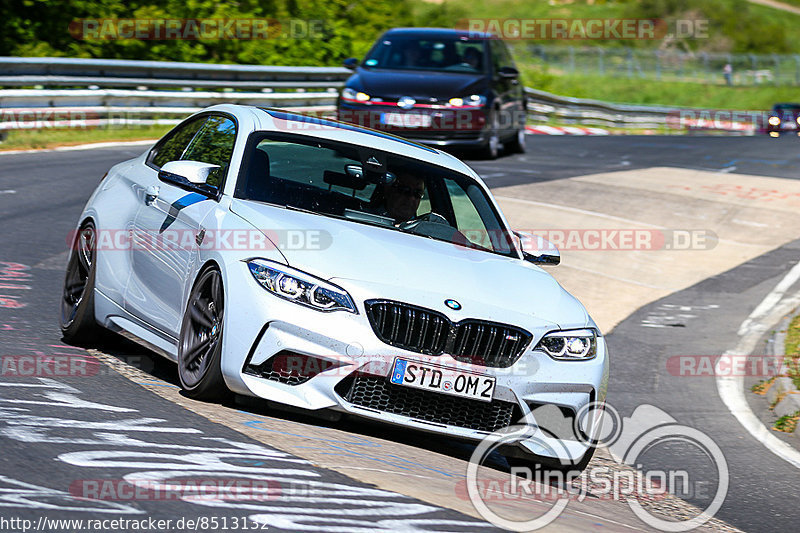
401,198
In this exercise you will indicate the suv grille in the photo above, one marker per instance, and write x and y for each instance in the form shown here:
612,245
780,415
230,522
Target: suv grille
377,393
426,331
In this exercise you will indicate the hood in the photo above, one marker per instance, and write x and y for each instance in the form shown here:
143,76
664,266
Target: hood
374,262
393,84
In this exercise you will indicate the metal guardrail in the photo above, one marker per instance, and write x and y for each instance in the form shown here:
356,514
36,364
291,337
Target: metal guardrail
129,92
546,106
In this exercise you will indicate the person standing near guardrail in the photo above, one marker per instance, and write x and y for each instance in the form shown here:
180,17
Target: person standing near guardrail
727,71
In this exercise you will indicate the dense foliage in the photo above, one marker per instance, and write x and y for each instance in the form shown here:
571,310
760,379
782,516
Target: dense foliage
348,28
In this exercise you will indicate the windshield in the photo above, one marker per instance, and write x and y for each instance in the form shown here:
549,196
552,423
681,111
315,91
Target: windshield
367,186
448,54
787,108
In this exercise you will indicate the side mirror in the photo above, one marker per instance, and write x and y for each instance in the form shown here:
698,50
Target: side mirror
351,63
508,72
548,258
537,250
194,172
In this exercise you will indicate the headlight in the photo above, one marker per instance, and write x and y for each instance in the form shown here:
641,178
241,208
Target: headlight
474,100
798,120
299,287
577,344
774,121
352,94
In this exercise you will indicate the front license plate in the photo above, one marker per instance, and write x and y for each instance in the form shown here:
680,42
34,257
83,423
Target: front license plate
406,120
442,379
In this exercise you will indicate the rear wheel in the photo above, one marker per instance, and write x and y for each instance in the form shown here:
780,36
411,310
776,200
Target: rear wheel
200,347
78,324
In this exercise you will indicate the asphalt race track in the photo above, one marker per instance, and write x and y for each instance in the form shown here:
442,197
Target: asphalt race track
116,414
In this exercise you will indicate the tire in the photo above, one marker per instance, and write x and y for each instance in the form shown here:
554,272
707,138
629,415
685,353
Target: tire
77,320
516,145
200,344
491,148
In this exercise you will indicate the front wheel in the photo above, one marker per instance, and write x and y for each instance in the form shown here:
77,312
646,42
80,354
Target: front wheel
200,346
517,144
78,324
491,148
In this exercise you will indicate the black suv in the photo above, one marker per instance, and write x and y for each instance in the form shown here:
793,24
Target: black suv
440,87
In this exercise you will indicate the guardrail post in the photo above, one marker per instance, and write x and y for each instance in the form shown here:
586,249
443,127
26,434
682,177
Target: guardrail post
600,61
658,65
630,63
705,66
777,64
797,70
572,59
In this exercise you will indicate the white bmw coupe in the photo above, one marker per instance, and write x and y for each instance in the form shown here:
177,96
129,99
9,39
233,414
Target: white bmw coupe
321,265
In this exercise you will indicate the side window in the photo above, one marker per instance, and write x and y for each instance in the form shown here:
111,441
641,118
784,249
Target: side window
172,149
468,220
213,144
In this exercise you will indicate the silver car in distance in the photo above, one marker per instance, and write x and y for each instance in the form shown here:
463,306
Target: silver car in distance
325,266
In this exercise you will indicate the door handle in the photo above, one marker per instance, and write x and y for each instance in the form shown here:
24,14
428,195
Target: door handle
151,194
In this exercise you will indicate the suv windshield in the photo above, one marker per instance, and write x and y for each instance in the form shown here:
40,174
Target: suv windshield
447,54
787,108
367,186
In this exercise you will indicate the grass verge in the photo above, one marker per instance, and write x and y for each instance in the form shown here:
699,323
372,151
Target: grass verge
650,92
50,138
787,423
792,350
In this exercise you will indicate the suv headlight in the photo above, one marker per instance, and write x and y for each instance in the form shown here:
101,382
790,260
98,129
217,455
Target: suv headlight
572,345
352,94
299,287
774,121
474,100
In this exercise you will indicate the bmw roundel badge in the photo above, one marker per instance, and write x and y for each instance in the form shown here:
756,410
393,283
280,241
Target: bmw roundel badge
452,304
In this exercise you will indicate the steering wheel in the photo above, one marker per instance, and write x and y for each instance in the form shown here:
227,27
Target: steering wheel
435,218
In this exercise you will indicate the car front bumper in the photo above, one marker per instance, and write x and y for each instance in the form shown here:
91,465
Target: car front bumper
350,365
437,127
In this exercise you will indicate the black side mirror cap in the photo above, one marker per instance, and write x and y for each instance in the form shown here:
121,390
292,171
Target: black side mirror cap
508,72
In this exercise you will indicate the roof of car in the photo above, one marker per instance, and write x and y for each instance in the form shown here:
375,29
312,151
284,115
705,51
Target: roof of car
438,32
288,115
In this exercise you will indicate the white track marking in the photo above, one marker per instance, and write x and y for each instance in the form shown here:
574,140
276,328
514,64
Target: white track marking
731,388
577,210
617,278
608,217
